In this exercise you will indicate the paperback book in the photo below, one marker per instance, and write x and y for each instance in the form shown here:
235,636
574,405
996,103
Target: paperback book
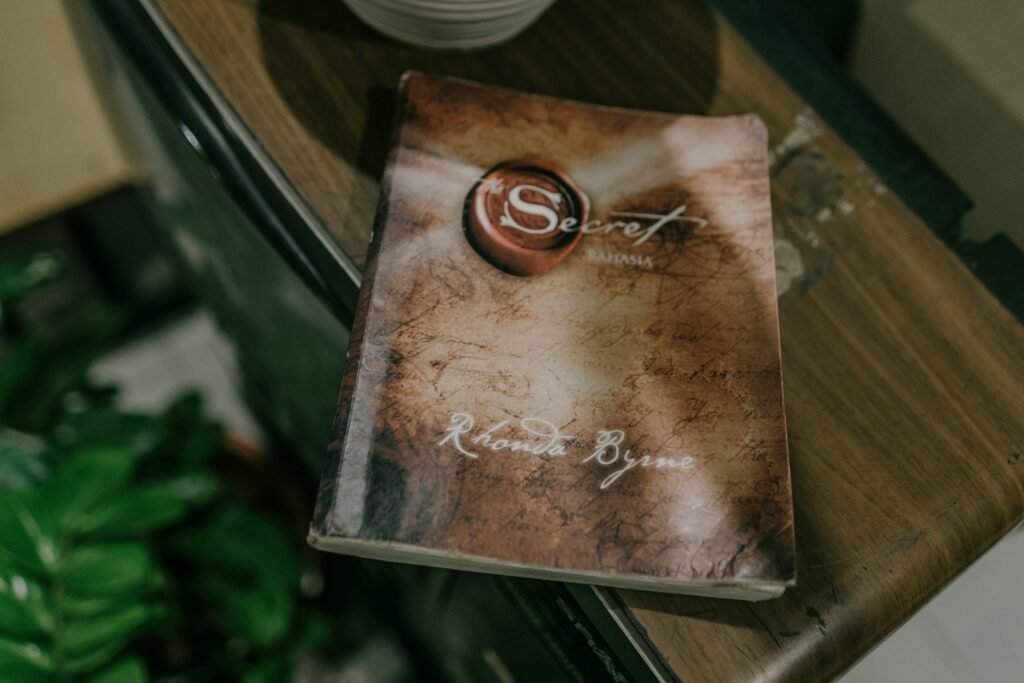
565,362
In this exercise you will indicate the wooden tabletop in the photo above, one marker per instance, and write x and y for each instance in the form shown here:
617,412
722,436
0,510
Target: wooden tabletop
902,374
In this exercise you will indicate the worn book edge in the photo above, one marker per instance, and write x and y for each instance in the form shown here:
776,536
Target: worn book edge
327,494
391,551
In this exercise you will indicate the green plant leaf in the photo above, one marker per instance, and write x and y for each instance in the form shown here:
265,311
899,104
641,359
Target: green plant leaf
269,670
203,441
185,409
20,274
16,369
313,633
194,437
195,489
266,613
108,569
83,664
21,460
248,571
22,673
238,540
78,607
39,403
126,670
108,427
24,605
261,613
82,636
24,656
131,513
145,507
87,477
28,531
64,362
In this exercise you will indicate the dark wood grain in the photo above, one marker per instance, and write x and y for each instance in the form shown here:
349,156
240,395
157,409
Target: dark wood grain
902,374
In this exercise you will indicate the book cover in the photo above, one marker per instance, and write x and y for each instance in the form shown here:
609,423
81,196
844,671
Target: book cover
565,362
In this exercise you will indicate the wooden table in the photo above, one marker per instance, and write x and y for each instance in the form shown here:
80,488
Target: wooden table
903,376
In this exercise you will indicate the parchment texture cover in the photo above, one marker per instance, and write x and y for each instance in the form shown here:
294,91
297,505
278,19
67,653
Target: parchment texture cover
616,418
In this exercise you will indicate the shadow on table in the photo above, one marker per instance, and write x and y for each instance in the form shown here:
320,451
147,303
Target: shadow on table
338,76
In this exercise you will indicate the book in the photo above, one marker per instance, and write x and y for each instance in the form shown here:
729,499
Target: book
565,362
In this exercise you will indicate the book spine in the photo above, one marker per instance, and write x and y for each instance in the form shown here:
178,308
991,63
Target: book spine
327,494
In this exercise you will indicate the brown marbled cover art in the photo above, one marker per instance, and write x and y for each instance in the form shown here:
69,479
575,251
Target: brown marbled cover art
617,417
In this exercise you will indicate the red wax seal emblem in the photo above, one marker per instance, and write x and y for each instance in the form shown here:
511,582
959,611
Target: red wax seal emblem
524,217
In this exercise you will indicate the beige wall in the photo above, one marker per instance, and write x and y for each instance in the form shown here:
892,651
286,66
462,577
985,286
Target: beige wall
59,146
952,73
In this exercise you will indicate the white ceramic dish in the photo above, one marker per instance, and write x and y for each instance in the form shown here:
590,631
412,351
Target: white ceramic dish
449,24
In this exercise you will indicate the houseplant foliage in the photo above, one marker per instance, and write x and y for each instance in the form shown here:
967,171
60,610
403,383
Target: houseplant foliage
122,556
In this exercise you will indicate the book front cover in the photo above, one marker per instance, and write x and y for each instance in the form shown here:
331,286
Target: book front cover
566,355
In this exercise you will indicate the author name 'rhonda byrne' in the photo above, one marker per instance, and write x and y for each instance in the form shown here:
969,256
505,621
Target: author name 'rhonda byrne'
538,437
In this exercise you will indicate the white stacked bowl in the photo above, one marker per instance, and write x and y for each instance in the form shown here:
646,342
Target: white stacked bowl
449,24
